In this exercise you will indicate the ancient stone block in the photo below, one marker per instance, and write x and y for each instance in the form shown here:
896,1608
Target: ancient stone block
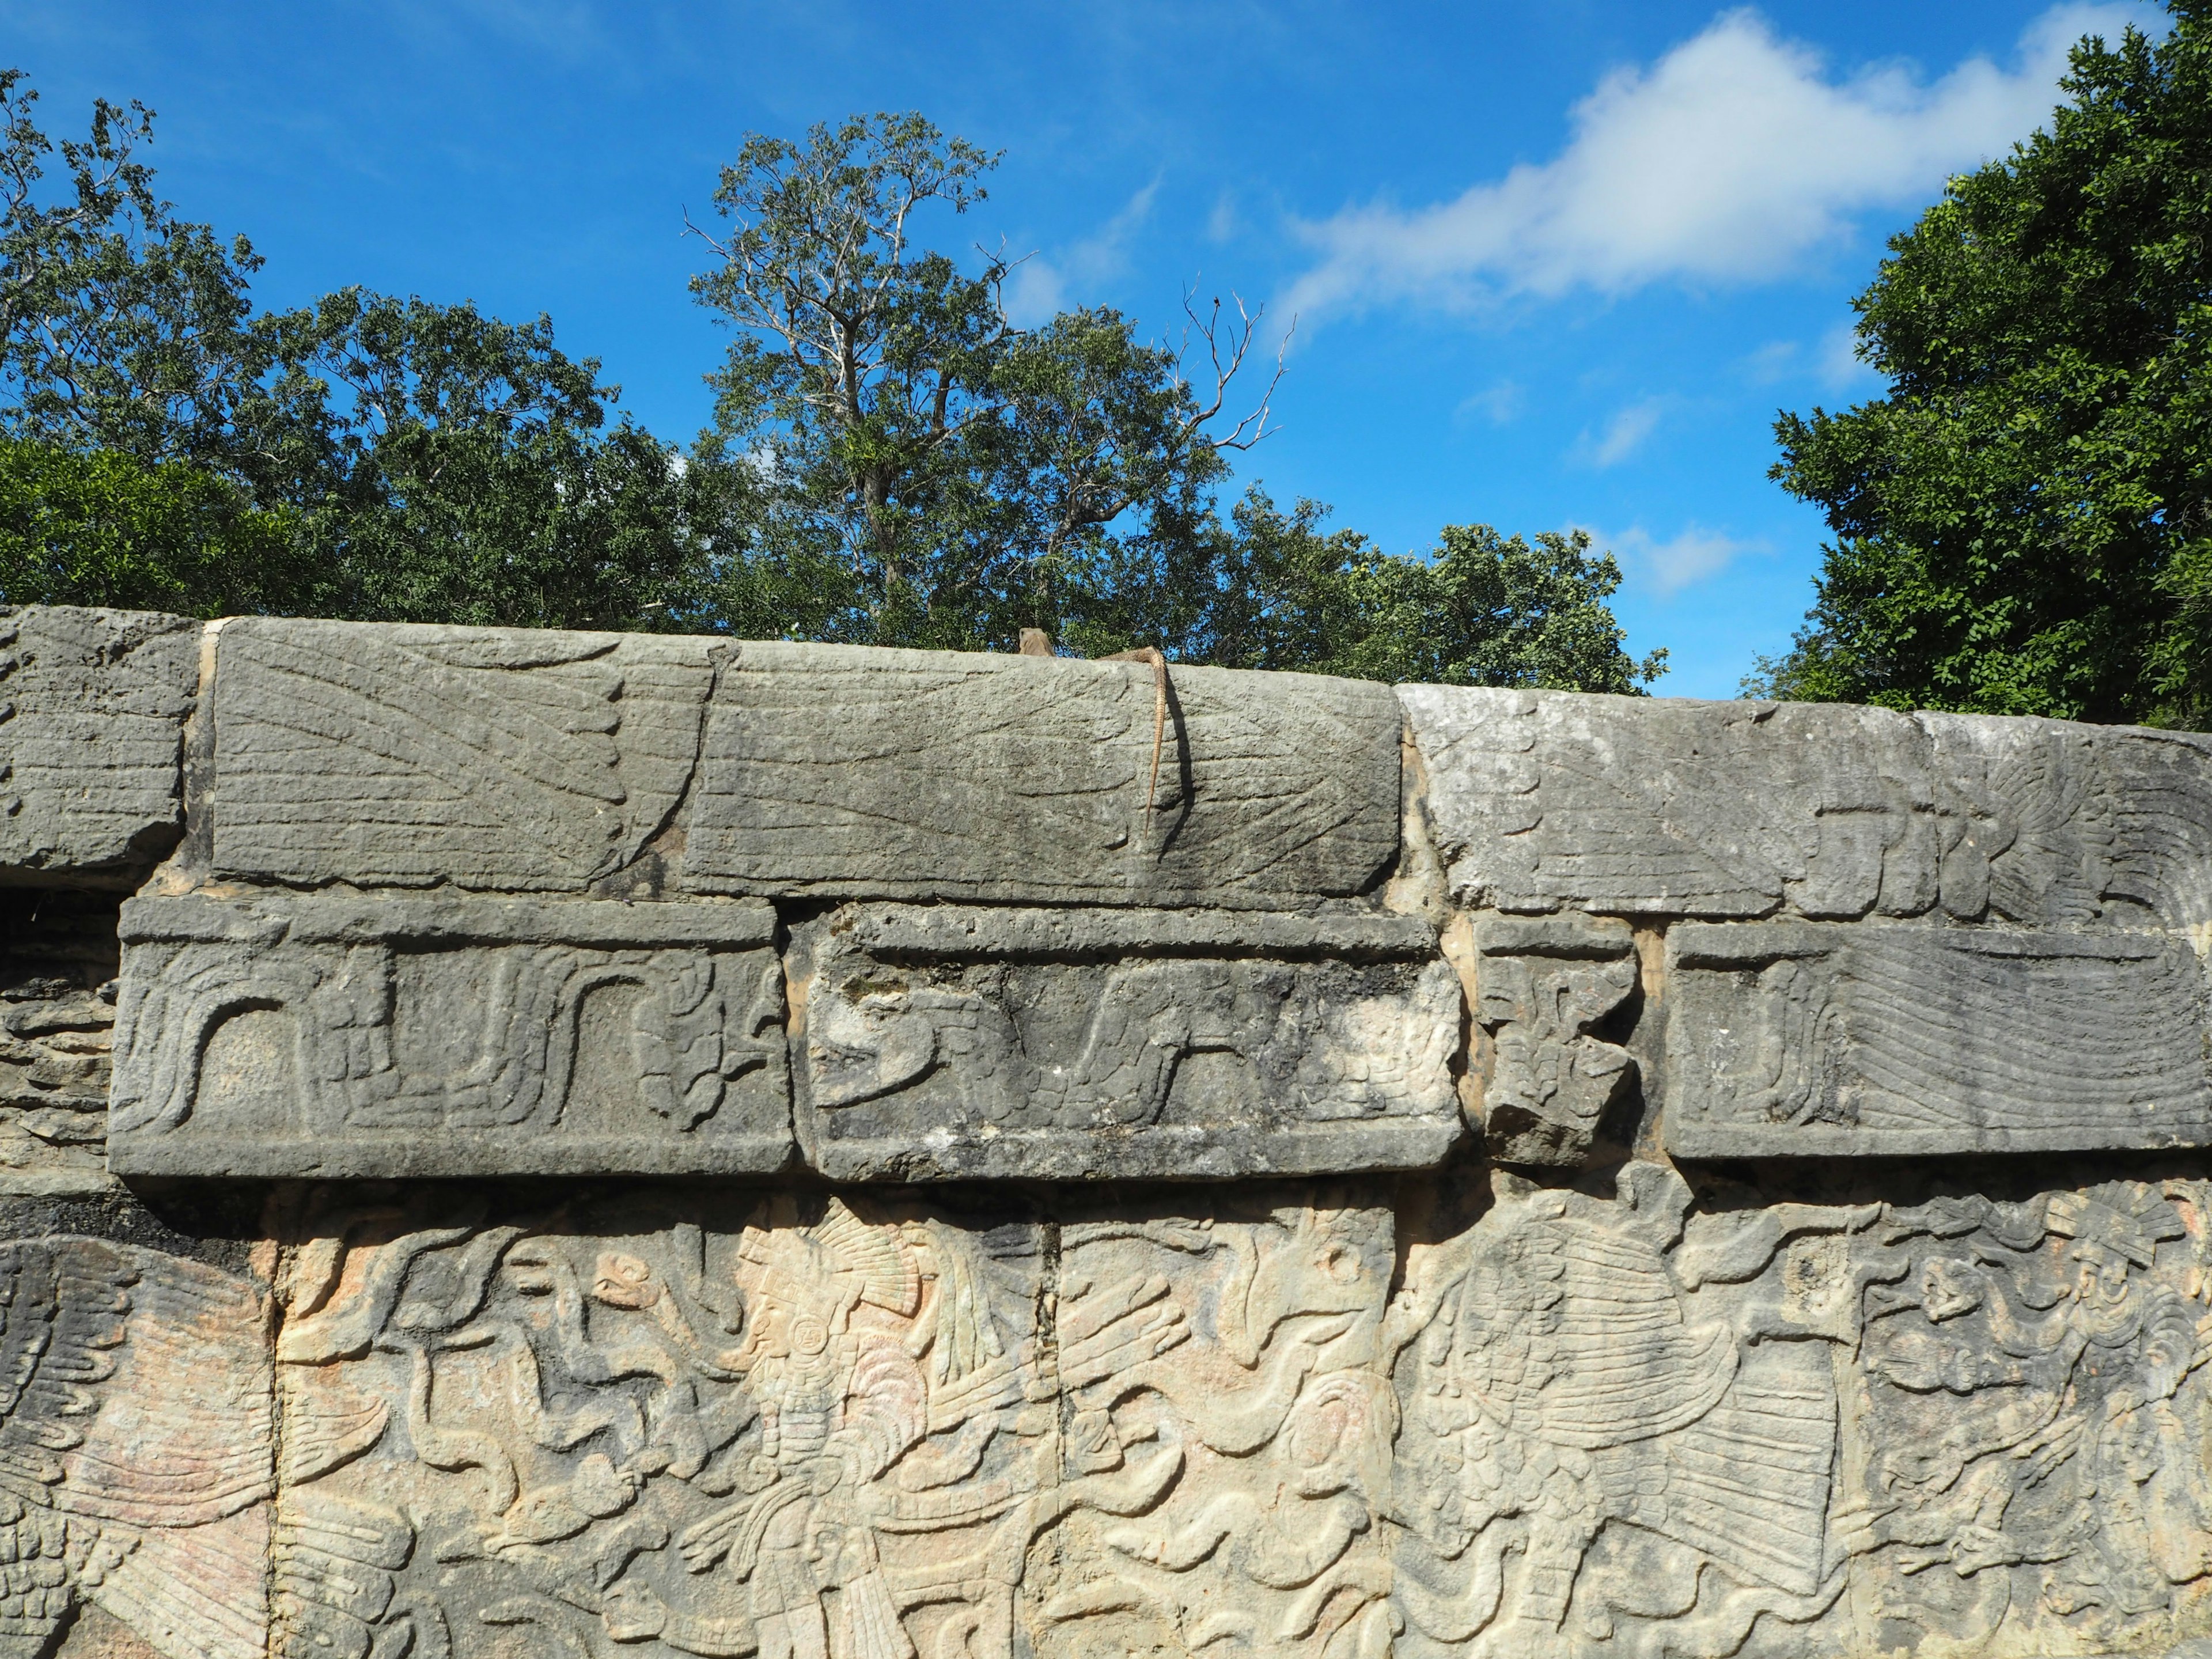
1638,805
1817,1039
92,716
1543,983
1576,1424
136,1449
2083,822
948,1042
486,758
851,772
829,1426
58,966
321,1033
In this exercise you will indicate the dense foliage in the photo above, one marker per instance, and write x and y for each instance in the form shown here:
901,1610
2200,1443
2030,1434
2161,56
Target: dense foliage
2020,523
891,460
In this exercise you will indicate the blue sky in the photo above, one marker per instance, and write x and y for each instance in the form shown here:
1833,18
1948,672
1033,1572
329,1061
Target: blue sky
1553,264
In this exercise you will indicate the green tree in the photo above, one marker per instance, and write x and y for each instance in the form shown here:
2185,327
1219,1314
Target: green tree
898,463
923,472
1480,609
101,528
422,462
2020,524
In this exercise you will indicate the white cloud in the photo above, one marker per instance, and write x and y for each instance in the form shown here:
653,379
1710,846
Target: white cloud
1690,556
1041,287
1624,434
1499,402
1225,221
1733,158
1840,368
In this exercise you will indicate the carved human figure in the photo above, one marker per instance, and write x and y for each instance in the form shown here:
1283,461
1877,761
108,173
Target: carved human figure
2030,1395
839,1406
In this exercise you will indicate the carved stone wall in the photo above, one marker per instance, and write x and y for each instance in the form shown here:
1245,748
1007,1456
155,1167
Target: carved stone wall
627,1145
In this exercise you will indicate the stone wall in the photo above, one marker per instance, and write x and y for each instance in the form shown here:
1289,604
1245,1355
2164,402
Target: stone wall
638,1146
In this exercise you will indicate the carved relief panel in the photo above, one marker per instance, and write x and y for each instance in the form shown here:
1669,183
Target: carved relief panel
1811,1039
1086,1044
323,1035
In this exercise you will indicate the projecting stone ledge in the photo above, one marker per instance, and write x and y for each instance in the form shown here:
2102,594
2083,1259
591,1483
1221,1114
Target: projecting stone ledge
92,716
499,760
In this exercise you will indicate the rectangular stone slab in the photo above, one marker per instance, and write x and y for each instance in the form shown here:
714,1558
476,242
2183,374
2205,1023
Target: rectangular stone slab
854,772
1807,1039
1095,1044
1542,801
311,1035
488,758
1545,801
92,718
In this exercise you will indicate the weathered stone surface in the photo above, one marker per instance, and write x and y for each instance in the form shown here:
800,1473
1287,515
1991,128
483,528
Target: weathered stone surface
852,772
1630,1425
326,1034
92,716
1820,1039
58,966
1080,1044
137,1450
1758,1319
1648,806
1545,983
1652,806
483,757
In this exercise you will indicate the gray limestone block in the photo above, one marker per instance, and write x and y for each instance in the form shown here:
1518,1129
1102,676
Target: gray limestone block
1543,985
1812,1039
2084,825
854,772
322,1035
1543,801
92,714
486,758
1093,1044
1661,806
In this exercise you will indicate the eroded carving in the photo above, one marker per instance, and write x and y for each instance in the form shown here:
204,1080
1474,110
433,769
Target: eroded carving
1620,1429
292,1036
488,758
1800,1038
135,1448
1545,801
2026,1469
1543,985
857,772
92,714
1019,1043
799,1439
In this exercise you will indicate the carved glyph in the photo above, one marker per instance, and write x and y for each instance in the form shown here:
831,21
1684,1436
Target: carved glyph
1543,984
1805,1038
1073,1043
306,1035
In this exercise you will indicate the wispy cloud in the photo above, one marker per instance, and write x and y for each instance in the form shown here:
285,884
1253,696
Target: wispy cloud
1734,158
1499,402
1040,286
1224,222
1837,361
1621,436
1693,554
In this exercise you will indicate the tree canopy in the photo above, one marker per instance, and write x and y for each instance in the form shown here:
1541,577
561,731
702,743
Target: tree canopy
2020,522
891,460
